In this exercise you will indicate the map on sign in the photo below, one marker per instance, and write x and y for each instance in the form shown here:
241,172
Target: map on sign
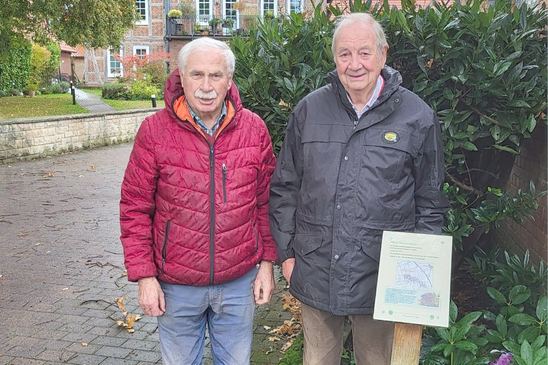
414,274
414,279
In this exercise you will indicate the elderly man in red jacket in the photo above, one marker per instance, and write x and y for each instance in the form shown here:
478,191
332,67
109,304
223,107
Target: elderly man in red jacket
194,211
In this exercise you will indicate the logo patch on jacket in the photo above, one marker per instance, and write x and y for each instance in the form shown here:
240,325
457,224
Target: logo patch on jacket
390,137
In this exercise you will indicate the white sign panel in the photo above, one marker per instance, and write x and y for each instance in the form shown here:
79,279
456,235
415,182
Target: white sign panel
414,279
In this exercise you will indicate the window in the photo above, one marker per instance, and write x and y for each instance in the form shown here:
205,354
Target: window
142,10
140,51
114,66
231,13
203,12
296,6
269,8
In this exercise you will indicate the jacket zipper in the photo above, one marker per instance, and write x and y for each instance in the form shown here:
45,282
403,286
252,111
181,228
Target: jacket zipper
164,248
224,182
212,215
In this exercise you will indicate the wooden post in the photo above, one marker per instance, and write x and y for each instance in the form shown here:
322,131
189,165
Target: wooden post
407,344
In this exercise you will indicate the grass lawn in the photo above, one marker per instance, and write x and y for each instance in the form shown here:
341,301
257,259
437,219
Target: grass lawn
12,107
39,106
127,104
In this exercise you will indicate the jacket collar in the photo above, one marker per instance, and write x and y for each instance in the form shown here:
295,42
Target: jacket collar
392,80
174,90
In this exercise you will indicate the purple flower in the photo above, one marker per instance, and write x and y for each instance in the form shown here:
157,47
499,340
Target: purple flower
504,359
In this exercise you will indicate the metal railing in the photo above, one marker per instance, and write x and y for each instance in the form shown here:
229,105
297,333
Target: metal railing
190,27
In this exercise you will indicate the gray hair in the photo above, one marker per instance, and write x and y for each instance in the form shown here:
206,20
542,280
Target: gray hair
365,18
207,43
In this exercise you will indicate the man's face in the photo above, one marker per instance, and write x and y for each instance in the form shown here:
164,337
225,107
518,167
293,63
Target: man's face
206,82
358,60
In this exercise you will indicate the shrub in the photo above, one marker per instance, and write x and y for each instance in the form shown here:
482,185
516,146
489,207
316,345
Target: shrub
56,88
15,62
151,68
516,326
483,70
65,86
140,90
116,91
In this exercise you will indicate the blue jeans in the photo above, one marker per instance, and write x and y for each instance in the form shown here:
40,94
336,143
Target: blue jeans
226,309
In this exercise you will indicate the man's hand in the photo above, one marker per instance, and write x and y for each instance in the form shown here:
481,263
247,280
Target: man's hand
151,297
287,269
264,283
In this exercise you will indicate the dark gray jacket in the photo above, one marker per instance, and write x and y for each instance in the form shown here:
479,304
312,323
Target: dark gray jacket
337,186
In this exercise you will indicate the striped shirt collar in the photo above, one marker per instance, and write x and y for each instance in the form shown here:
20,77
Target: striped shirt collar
372,100
201,123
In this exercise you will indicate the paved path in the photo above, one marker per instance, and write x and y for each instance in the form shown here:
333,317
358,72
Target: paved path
61,268
92,102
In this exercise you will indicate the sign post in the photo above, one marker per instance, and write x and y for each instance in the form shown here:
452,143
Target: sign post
406,347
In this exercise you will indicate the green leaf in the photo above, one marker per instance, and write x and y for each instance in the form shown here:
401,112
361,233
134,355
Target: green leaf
469,146
502,326
466,346
519,104
522,319
526,352
443,333
506,149
542,308
519,294
496,295
501,68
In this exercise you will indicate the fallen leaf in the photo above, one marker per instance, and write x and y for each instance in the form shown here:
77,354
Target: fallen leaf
92,166
267,328
50,174
272,339
65,289
130,319
84,344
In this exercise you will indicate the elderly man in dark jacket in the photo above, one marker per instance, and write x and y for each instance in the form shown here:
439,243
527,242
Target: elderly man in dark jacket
361,155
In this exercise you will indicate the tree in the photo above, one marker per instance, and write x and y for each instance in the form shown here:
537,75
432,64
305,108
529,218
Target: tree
91,23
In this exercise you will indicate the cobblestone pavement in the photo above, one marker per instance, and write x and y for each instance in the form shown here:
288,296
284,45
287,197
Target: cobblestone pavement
91,102
61,268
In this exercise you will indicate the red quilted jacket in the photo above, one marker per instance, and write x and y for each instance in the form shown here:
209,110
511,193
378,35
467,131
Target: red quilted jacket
193,209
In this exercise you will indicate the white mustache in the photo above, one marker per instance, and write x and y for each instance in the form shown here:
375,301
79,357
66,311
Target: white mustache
203,95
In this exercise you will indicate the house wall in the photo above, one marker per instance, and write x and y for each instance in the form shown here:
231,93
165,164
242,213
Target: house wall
65,63
530,165
150,34
28,138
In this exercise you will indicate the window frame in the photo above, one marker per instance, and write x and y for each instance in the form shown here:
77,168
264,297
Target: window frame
296,10
204,22
275,4
235,16
143,21
137,47
109,68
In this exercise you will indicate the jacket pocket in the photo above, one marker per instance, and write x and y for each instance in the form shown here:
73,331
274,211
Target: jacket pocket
371,245
388,158
164,247
304,244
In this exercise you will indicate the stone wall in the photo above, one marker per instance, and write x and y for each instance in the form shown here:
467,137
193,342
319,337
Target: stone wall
28,138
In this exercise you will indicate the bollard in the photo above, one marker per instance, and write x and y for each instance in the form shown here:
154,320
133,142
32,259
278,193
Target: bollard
73,92
153,97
